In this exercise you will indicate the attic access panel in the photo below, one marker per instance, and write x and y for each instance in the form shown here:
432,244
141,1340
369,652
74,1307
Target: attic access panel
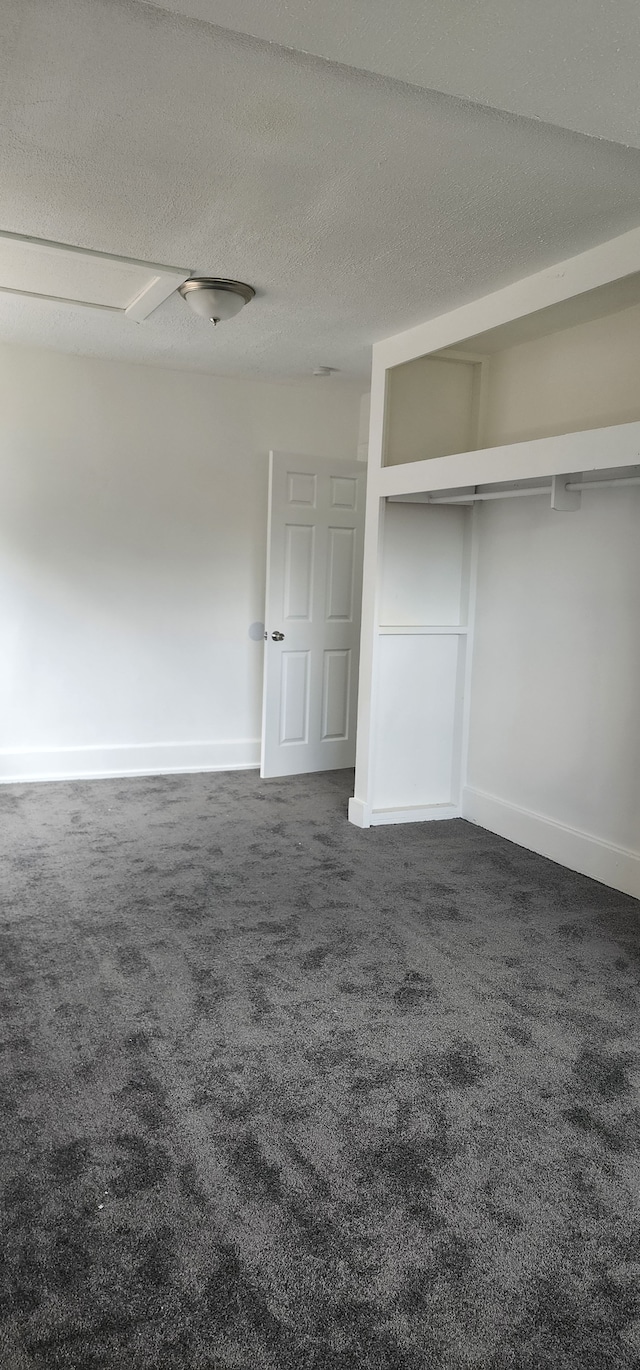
76,275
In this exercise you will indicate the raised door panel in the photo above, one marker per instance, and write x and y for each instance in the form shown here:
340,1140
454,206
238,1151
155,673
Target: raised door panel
341,549
294,698
298,571
302,487
336,678
343,492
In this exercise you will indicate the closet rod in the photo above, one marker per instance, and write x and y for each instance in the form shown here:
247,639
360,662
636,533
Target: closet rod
535,490
602,484
493,494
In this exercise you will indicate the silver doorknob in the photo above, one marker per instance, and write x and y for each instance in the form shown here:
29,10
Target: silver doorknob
278,637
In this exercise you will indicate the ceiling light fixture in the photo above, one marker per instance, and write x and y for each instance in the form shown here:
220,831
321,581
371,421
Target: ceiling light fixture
216,299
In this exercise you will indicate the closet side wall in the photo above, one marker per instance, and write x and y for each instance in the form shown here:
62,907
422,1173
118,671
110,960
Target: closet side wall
431,409
554,743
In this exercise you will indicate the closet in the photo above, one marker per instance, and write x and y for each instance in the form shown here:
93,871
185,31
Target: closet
500,671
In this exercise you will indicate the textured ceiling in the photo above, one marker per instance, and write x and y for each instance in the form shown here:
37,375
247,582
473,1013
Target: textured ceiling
356,204
569,62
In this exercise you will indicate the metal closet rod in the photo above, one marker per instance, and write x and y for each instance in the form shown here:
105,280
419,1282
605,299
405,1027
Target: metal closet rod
601,484
535,490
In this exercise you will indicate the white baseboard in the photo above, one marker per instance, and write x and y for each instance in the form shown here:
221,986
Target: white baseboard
363,817
97,763
580,851
358,814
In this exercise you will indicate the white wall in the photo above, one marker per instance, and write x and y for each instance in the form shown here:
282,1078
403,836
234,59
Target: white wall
582,377
431,409
554,753
132,552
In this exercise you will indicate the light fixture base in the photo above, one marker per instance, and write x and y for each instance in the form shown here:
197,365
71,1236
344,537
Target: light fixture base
214,297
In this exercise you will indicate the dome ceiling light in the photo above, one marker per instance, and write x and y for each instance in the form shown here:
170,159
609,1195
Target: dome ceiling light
214,298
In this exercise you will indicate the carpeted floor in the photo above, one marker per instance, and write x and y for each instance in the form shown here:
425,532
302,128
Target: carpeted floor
284,1095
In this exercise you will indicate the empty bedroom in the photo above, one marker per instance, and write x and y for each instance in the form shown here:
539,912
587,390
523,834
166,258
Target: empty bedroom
319,683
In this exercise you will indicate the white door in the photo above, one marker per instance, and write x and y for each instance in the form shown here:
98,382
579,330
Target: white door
312,618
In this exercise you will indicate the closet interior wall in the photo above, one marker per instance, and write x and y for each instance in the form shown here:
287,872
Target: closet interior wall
554,743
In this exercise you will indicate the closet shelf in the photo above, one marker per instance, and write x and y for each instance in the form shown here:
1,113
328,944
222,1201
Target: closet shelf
538,459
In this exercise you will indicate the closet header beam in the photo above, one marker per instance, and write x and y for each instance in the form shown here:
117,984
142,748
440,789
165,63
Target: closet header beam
598,266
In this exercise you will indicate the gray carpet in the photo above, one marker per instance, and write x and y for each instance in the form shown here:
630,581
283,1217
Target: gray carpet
284,1095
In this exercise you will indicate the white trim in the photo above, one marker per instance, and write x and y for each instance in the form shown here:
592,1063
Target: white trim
162,283
580,851
364,817
415,813
155,293
154,758
422,629
267,601
61,299
359,814
472,595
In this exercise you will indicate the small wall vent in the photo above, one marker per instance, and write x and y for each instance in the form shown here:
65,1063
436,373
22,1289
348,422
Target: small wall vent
78,276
